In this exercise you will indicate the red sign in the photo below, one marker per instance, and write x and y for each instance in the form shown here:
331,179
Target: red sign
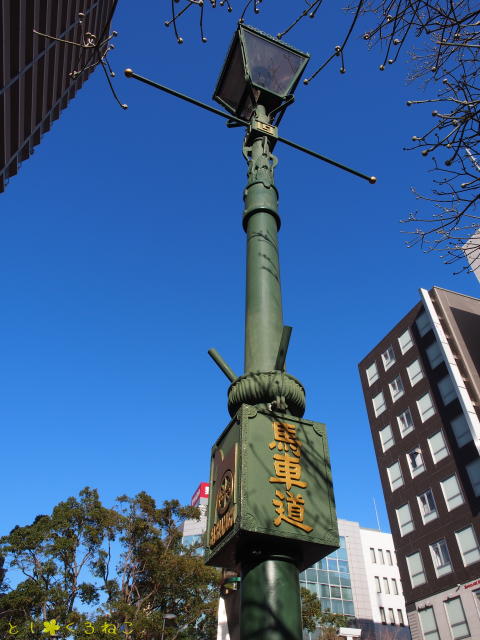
201,492
472,584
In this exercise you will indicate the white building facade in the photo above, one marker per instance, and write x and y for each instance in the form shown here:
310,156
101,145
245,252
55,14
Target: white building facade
361,580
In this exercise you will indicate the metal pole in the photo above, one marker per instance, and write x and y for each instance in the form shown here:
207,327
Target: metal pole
270,599
263,317
270,592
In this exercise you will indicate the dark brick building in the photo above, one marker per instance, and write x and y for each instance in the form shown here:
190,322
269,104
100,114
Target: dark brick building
422,391
35,84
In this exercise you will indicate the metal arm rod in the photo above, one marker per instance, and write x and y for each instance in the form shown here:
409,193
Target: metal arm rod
228,116
283,348
223,366
370,179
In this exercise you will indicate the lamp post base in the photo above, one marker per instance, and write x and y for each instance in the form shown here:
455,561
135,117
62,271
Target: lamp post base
270,599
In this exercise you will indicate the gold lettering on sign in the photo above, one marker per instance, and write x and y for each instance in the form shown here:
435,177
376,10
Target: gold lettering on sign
221,527
289,508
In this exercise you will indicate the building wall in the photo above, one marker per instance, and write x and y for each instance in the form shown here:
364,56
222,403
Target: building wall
34,71
383,578
193,530
330,580
356,560
429,463
359,572
471,249
435,607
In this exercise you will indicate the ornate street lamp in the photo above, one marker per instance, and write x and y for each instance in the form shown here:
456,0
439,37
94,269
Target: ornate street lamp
259,69
271,510
280,516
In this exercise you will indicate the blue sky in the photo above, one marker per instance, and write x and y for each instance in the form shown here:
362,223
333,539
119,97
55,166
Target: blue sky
122,261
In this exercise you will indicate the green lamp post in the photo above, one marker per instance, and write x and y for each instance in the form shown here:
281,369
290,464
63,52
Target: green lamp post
271,511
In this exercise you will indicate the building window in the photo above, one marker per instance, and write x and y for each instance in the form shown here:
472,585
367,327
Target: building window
429,624
330,580
456,618
388,358
415,373
382,615
434,354
372,374
476,596
396,389
405,341
468,545
372,555
386,438
391,615
389,557
428,508
400,617
415,462
425,407
461,430
377,584
378,404
386,588
447,390
405,521
441,558
380,556
405,422
395,587
423,323
473,470
415,569
438,448
395,476
451,492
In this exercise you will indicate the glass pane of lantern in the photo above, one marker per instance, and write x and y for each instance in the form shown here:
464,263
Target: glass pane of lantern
271,66
233,82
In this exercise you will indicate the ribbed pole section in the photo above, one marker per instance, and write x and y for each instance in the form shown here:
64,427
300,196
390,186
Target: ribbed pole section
263,317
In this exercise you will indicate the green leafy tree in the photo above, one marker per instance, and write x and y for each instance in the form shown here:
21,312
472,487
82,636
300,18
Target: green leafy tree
157,575
51,554
65,559
313,617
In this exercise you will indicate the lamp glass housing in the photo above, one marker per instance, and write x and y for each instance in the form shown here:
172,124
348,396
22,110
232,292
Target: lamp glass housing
259,69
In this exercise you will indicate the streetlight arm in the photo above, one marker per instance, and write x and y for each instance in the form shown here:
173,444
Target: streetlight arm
370,179
130,74
231,118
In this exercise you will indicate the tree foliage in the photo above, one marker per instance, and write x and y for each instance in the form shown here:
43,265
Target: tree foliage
442,40
314,618
65,560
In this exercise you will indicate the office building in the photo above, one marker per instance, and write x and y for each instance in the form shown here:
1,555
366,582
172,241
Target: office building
359,580
422,391
39,76
471,250
193,530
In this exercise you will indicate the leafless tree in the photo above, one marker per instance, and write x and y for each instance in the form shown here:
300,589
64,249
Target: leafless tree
443,41
92,50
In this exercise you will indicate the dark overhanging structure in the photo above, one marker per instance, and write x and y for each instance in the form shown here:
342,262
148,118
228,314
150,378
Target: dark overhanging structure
271,511
36,80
